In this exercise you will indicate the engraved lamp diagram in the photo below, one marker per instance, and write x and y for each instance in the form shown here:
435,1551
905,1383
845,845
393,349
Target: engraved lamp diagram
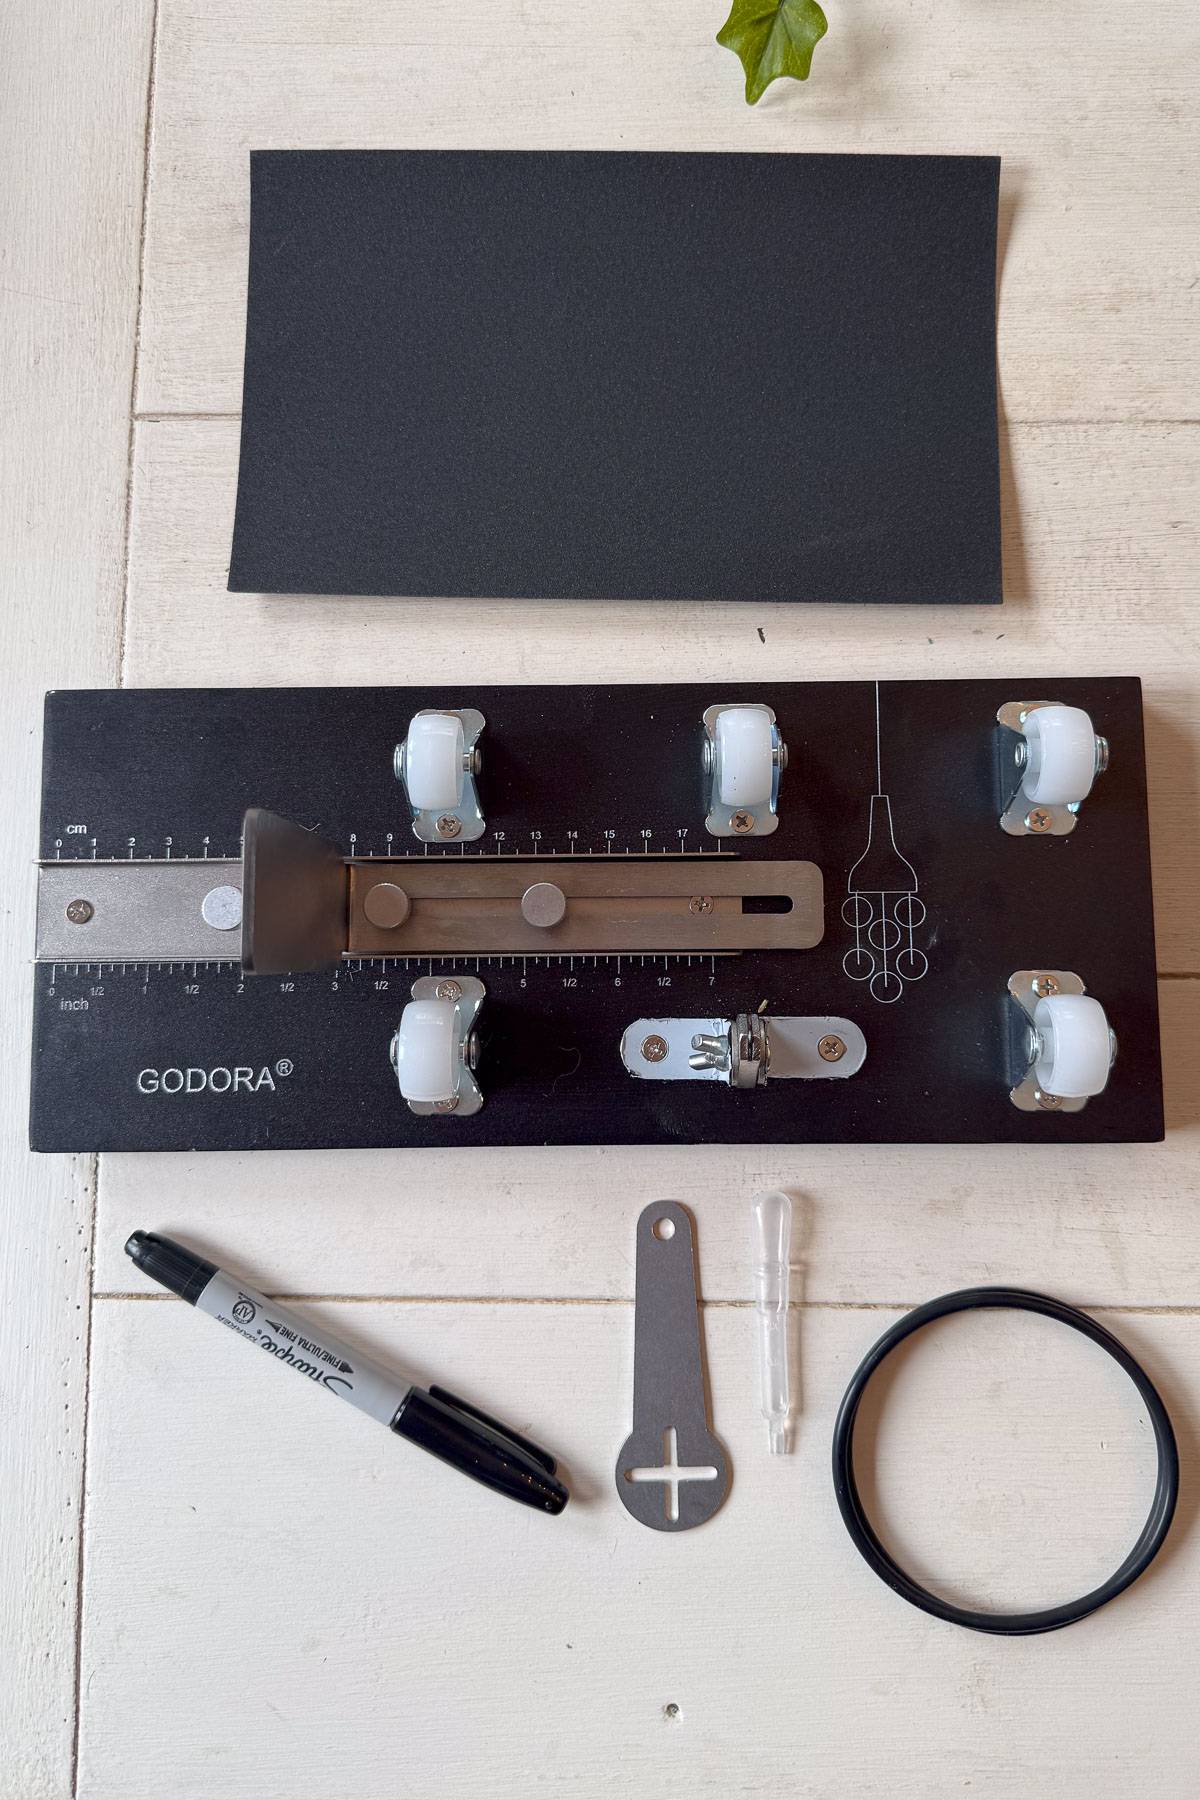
882,906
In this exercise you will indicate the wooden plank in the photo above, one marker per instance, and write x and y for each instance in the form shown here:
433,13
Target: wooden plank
284,1599
1100,548
1115,1225
71,142
1096,122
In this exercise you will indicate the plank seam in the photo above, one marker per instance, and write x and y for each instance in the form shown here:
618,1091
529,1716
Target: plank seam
161,417
94,1163
1133,1308
81,1522
151,83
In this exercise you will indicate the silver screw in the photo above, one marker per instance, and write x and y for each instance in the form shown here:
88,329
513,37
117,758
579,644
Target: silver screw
780,755
398,755
742,821
448,990
80,911
1047,1102
446,1106
449,826
700,903
654,1048
831,1049
1038,820
1044,986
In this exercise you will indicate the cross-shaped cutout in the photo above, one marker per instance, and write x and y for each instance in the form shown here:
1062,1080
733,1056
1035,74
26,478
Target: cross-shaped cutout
671,1474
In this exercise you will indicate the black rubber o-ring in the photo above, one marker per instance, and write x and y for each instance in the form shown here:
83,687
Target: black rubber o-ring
1153,1533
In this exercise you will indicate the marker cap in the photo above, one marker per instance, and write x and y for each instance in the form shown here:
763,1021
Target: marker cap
481,1447
170,1264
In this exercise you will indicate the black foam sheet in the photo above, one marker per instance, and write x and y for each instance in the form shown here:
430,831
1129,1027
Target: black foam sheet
621,375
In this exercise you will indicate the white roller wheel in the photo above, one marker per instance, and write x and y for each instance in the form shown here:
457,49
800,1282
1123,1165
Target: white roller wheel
1076,1048
744,763
427,1051
1062,755
433,761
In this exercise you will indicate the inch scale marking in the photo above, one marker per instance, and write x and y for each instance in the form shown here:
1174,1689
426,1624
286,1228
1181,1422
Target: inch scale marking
425,964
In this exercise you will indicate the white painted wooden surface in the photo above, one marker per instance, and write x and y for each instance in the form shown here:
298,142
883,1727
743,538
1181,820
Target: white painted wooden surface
1092,108
72,100
284,1600
276,1595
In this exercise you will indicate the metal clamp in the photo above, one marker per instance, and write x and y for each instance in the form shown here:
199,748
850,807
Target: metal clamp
743,1052
450,811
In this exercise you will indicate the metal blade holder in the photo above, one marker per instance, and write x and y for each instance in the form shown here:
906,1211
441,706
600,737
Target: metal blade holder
672,1472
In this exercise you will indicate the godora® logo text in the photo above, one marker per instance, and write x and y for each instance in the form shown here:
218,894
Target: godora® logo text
239,1079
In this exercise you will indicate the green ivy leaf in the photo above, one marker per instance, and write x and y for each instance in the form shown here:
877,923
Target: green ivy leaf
773,38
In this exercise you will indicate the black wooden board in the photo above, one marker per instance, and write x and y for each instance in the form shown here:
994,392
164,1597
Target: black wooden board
599,771
628,375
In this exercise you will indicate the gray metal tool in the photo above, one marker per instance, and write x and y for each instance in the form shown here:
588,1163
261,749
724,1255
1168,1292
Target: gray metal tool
672,1472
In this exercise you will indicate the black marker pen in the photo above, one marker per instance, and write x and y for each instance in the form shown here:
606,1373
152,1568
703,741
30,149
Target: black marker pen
445,1426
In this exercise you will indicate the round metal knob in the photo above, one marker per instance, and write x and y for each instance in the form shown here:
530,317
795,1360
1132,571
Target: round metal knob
543,904
386,905
221,907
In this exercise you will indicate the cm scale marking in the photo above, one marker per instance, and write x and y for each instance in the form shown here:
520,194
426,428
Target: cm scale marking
411,916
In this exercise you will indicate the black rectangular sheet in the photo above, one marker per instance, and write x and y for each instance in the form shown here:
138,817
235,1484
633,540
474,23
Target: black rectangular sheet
621,375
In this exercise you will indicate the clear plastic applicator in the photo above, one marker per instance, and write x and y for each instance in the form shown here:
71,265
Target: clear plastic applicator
772,1250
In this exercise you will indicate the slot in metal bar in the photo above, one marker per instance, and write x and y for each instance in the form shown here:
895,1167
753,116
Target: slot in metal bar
301,905
462,908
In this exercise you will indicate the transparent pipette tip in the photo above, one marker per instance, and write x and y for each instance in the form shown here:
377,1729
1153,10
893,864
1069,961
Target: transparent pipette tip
772,1222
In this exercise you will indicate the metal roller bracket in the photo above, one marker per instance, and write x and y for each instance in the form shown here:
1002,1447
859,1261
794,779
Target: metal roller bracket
738,821
463,821
1020,816
1026,988
467,995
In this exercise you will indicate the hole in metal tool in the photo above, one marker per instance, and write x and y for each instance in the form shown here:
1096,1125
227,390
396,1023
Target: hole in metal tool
670,1473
